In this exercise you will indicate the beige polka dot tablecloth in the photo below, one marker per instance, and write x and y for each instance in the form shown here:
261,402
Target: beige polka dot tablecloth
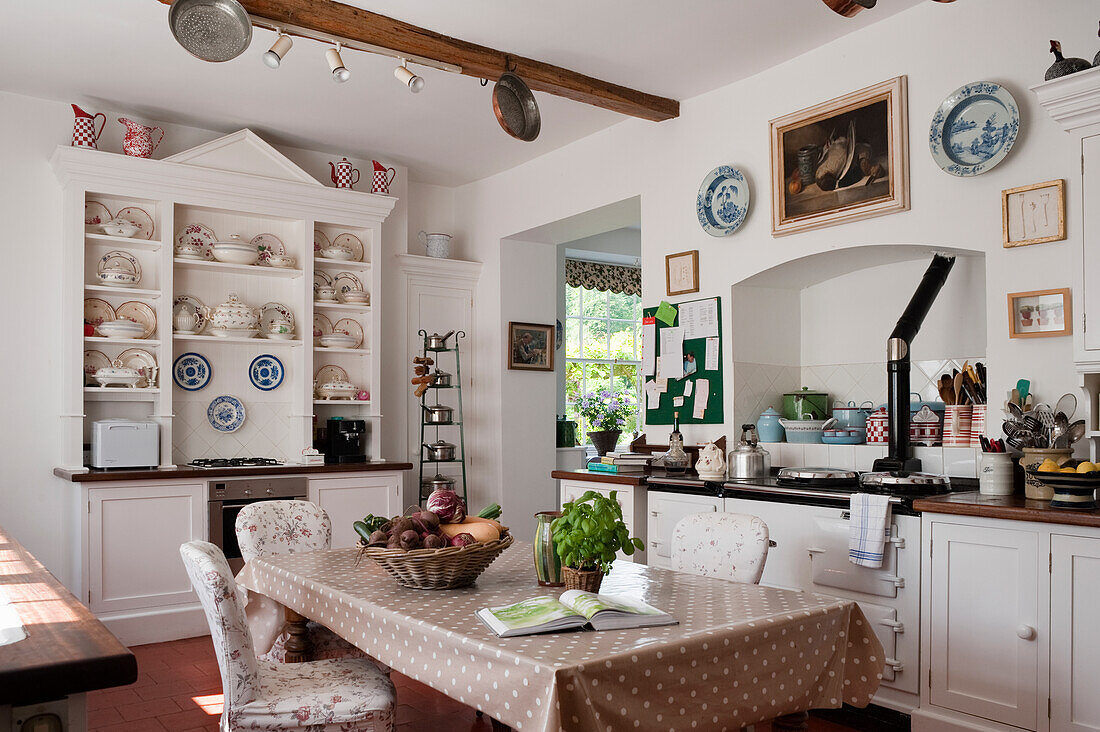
740,654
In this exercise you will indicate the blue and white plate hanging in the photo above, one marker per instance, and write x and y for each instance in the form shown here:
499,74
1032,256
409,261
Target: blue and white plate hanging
974,128
723,201
191,371
225,413
266,372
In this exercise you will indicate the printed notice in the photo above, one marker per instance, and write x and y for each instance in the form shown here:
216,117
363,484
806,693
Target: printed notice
652,395
711,363
672,353
699,319
649,346
677,401
688,387
702,394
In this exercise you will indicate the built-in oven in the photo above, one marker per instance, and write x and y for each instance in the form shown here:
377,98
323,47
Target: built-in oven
228,496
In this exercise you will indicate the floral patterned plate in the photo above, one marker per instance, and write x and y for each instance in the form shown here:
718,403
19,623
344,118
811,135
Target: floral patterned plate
118,257
191,371
320,241
140,219
95,213
98,311
266,245
329,373
345,281
321,326
144,362
139,312
273,310
194,304
974,128
94,361
225,413
723,201
351,327
352,243
266,372
199,235
321,278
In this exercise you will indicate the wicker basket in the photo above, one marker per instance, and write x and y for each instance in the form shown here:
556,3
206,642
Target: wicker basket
576,579
438,569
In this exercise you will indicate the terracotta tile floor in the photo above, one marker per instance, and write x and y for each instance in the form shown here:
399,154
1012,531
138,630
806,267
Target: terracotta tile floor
179,689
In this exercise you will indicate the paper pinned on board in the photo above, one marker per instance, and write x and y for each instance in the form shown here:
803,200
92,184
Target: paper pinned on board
652,395
666,313
699,319
702,394
711,362
688,387
649,346
671,361
678,401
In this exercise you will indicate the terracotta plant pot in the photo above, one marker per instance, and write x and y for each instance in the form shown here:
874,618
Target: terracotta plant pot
576,579
605,440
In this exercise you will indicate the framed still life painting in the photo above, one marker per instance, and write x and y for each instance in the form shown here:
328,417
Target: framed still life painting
1040,314
530,347
841,160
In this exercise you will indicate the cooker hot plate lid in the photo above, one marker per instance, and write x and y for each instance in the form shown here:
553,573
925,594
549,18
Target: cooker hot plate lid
817,474
902,482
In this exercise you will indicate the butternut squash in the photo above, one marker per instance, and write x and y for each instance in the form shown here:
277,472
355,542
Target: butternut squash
481,529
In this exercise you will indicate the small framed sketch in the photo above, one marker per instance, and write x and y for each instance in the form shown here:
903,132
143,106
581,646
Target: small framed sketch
530,347
682,272
1034,214
1040,314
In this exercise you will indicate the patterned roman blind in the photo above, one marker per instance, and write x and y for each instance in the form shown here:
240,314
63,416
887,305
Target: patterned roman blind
603,277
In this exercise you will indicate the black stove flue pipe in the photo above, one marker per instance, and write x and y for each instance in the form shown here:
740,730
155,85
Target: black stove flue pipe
897,365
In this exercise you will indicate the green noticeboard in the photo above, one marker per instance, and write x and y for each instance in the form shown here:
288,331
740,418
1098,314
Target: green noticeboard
655,321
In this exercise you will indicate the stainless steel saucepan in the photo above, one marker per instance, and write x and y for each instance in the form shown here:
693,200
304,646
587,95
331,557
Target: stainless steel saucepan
438,414
440,450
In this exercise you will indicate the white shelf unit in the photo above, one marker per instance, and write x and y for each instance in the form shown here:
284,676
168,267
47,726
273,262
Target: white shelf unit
350,307
340,263
238,185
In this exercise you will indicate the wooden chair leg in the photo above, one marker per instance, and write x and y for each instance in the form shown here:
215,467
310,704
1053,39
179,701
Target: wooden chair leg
297,643
796,722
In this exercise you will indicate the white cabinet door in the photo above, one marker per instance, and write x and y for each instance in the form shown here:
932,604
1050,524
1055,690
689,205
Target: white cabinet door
665,511
1090,166
346,500
985,622
571,489
1074,633
134,537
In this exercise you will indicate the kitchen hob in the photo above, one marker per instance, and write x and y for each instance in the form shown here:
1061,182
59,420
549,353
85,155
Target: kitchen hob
237,462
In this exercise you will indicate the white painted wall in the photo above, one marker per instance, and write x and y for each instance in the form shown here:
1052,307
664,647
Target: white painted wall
664,163
432,209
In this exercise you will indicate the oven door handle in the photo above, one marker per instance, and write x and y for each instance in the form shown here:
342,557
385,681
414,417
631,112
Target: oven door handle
815,550
896,626
894,664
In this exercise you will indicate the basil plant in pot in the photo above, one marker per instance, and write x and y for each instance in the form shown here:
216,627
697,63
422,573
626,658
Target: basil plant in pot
586,536
606,412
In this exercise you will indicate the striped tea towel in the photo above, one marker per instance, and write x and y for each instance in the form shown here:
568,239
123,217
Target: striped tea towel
868,529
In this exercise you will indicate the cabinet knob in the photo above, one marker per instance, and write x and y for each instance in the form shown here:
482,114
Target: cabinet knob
1025,632
270,491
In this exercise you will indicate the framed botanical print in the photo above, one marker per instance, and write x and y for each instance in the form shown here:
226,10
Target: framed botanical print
1034,214
1040,314
530,347
682,272
841,160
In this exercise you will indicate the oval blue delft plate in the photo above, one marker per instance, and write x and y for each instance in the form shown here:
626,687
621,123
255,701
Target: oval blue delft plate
191,371
723,201
225,413
266,372
974,128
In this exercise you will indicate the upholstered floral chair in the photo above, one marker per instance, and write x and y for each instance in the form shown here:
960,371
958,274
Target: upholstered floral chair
731,546
345,695
285,527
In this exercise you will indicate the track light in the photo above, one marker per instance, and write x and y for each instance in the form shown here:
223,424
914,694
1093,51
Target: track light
340,73
274,56
408,78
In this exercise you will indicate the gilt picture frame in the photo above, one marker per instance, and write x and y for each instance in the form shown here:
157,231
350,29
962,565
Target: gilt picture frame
682,272
1040,313
530,347
1033,214
842,160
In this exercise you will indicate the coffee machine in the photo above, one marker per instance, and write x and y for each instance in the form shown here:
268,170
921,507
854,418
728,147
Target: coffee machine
345,441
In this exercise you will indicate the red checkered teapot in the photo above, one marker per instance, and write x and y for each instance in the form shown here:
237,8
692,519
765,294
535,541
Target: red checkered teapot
343,174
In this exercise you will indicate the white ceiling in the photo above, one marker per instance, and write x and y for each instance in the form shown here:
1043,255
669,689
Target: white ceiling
120,54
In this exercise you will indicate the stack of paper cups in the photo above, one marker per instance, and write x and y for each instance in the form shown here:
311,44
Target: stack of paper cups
977,424
956,425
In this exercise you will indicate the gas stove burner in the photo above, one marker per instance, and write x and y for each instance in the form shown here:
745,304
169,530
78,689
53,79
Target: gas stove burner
237,462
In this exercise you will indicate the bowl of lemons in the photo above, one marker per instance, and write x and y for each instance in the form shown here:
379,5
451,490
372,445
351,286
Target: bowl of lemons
1074,485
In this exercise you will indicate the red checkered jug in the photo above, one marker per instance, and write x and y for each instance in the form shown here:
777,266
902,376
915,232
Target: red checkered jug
84,134
343,174
383,177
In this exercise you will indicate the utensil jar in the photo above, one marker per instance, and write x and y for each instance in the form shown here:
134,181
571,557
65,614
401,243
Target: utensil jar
995,474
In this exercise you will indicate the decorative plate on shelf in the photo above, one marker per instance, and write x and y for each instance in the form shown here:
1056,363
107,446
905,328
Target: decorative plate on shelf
95,213
191,371
198,235
266,372
352,243
97,311
140,219
723,201
351,327
320,241
139,312
94,361
144,362
225,413
321,278
321,326
195,304
119,259
266,245
974,128
346,281
273,310
330,373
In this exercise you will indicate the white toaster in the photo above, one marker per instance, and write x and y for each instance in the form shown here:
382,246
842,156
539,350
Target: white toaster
125,443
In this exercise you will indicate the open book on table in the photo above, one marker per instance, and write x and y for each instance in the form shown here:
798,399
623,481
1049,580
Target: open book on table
574,609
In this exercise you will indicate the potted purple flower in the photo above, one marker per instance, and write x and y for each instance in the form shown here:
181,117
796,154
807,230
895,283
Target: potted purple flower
606,412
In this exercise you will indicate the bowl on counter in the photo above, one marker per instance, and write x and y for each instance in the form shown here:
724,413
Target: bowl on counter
1070,490
121,328
844,436
805,431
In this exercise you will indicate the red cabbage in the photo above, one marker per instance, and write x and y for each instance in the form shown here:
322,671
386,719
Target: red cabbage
447,505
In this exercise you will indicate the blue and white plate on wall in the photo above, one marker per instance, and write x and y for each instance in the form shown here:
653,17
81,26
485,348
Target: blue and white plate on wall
225,413
974,128
723,201
266,372
191,371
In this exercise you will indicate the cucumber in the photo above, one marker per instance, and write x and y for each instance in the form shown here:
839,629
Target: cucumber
363,530
492,511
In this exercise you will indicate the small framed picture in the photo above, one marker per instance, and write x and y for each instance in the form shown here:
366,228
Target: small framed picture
682,272
1034,214
1040,314
530,347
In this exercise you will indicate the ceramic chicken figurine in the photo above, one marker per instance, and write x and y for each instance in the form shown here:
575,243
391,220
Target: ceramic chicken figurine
1063,66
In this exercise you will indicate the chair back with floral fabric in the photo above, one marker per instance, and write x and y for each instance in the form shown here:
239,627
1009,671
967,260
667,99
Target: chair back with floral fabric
731,546
282,527
217,590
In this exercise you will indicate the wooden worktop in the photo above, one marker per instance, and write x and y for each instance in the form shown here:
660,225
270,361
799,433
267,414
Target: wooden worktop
67,650
186,471
1016,508
593,476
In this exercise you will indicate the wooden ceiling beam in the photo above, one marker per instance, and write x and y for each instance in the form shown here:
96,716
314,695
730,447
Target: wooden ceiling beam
336,19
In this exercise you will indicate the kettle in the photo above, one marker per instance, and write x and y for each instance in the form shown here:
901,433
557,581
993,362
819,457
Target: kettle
748,459
344,175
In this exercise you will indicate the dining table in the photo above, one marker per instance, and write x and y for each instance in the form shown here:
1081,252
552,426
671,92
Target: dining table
739,653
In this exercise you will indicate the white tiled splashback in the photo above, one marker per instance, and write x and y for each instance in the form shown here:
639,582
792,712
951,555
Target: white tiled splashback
955,462
265,432
758,386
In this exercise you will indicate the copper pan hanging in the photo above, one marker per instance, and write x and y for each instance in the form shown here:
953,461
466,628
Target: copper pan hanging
515,107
